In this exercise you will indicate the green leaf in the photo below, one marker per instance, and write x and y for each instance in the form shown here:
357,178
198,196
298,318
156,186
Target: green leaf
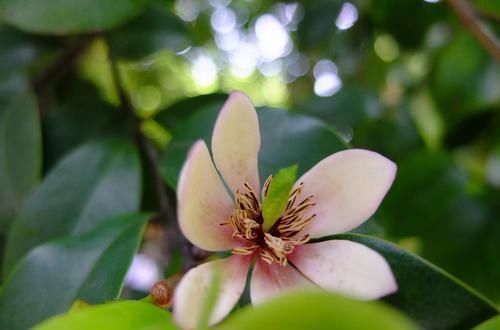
429,295
77,102
318,311
436,189
52,276
99,180
275,201
178,112
19,52
491,324
68,16
286,138
157,29
121,315
20,154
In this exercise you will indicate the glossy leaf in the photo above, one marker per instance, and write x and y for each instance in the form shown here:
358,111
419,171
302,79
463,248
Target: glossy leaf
175,114
20,154
157,29
121,315
96,181
68,16
436,189
276,199
427,294
286,138
318,311
52,276
77,102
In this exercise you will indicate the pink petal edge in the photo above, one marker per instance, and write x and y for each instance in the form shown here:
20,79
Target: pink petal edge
236,142
269,281
192,290
348,187
203,202
345,267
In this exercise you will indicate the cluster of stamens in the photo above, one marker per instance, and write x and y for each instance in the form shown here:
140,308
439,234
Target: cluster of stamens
275,244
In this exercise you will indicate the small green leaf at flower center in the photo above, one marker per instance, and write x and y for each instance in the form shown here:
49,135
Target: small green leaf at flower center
277,196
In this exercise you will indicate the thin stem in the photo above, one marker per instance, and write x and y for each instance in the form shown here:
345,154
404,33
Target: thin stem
167,216
470,21
166,212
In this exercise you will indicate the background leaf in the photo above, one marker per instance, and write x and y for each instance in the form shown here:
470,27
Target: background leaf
20,153
52,276
121,315
156,29
96,181
427,294
68,16
318,311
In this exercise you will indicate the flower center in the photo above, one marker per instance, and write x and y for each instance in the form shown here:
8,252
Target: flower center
280,240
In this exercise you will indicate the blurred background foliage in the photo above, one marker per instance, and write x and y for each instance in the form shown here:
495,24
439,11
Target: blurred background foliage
404,78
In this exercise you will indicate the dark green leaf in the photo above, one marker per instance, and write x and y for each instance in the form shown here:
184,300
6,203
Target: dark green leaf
157,29
286,138
172,116
96,181
52,276
68,16
277,196
20,154
121,315
427,294
318,311
431,202
77,102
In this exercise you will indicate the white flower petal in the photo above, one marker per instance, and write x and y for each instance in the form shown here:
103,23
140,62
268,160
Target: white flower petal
348,187
270,280
346,267
203,202
236,142
192,290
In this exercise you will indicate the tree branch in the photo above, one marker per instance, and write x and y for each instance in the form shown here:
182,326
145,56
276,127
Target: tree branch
191,254
165,210
471,22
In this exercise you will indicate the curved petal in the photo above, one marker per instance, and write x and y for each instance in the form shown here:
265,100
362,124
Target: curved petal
348,187
191,292
236,142
203,202
346,267
270,280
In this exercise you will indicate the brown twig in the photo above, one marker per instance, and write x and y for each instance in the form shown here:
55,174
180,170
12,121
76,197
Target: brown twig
167,214
471,22
165,209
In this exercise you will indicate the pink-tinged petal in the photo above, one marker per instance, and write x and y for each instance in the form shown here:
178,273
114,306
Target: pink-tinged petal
191,292
348,187
236,142
270,280
203,202
346,267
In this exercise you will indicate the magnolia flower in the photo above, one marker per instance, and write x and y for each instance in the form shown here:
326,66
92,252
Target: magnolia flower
336,195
